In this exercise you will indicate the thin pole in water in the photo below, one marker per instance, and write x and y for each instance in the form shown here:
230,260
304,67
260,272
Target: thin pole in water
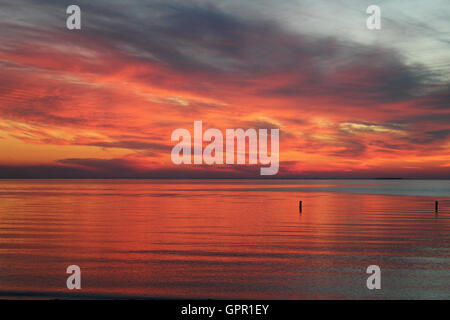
300,206
436,206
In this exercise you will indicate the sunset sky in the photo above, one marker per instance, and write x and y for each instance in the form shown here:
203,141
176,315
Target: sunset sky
103,101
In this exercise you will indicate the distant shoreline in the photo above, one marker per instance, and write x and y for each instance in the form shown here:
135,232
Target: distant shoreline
212,178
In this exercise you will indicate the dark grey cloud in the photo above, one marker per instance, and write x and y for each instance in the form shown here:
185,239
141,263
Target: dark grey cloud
199,38
438,100
118,168
389,146
439,134
204,39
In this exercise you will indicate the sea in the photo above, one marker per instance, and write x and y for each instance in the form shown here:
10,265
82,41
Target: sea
225,239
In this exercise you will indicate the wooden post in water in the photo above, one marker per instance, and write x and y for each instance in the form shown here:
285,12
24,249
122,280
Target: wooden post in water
436,206
300,207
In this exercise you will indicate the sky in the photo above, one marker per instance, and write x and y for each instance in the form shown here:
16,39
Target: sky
103,101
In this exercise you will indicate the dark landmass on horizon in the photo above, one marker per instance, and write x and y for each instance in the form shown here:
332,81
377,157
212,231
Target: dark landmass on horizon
120,170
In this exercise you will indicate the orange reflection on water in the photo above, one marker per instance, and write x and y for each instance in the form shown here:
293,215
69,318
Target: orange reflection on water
218,239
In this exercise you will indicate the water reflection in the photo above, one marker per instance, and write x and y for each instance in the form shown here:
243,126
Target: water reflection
221,239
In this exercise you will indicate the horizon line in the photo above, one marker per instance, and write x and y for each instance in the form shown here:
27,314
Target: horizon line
217,178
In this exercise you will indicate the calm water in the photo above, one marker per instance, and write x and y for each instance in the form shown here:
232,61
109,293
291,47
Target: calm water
224,239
